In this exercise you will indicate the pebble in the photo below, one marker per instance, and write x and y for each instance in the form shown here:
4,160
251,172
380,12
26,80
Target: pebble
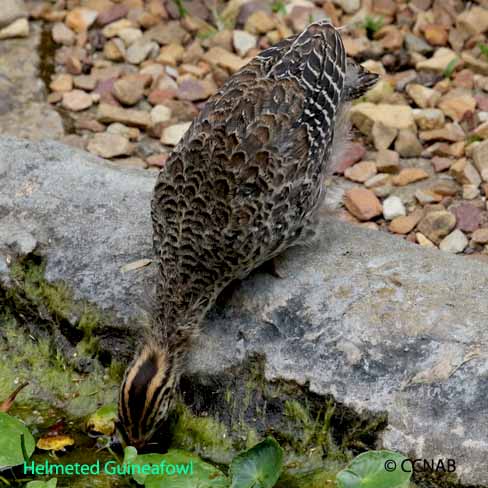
436,35
423,241
361,172
470,192
355,151
77,100
61,83
171,55
465,173
365,115
140,50
113,29
11,11
129,90
362,203
220,57
109,146
429,118
388,161
62,34
157,160
378,180
468,217
441,164
405,224
131,133
109,113
409,175
243,42
81,19
18,28
160,114
480,157
113,13
167,33
456,242
407,144
383,136
260,22
480,236
393,207
192,89
171,135
424,97
437,224
473,21
439,61
132,162
450,132
349,6
456,105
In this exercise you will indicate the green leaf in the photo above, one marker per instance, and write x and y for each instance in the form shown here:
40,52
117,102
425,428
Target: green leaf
375,469
450,68
11,429
181,469
259,467
42,484
484,49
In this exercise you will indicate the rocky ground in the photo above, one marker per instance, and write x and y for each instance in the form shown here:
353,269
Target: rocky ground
128,76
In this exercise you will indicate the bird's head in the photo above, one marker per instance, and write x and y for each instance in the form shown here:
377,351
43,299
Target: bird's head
146,395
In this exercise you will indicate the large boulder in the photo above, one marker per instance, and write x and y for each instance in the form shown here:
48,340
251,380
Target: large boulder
378,323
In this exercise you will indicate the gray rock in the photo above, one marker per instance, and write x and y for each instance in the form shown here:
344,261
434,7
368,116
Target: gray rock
12,10
379,323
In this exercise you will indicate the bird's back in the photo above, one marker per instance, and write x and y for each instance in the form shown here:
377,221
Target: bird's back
246,179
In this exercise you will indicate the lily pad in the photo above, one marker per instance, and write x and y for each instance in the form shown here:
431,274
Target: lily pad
11,430
103,420
55,442
181,470
258,467
42,484
375,469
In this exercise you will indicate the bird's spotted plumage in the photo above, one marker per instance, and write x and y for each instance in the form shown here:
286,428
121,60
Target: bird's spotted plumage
244,183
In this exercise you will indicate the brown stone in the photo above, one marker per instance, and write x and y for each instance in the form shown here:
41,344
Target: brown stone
437,224
405,224
480,236
354,153
362,203
441,164
436,35
465,173
409,175
138,118
388,161
361,172
468,217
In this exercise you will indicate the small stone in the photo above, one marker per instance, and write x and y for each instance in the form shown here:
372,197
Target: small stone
115,12
260,22
114,49
429,118
441,164
455,242
470,192
426,196
81,19
131,133
160,114
11,11
77,100
85,82
130,35
383,136
62,34
388,161
132,162
113,29
480,157
220,57
364,115
108,145
167,33
89,124
362,203
356,46
450,132
456,105
171,54
416,44
62,83
439,62
130,89
437,224
464,79
361,172
473,21
393,207
407,144
378,180
18,28
171,135
424,97
477,65
465,173
480,236
140,50
157,160
243,42
468,217
109,113
409,175
405,224
436,35
192,89
482,130
390,37
349,6
354,153
423,241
